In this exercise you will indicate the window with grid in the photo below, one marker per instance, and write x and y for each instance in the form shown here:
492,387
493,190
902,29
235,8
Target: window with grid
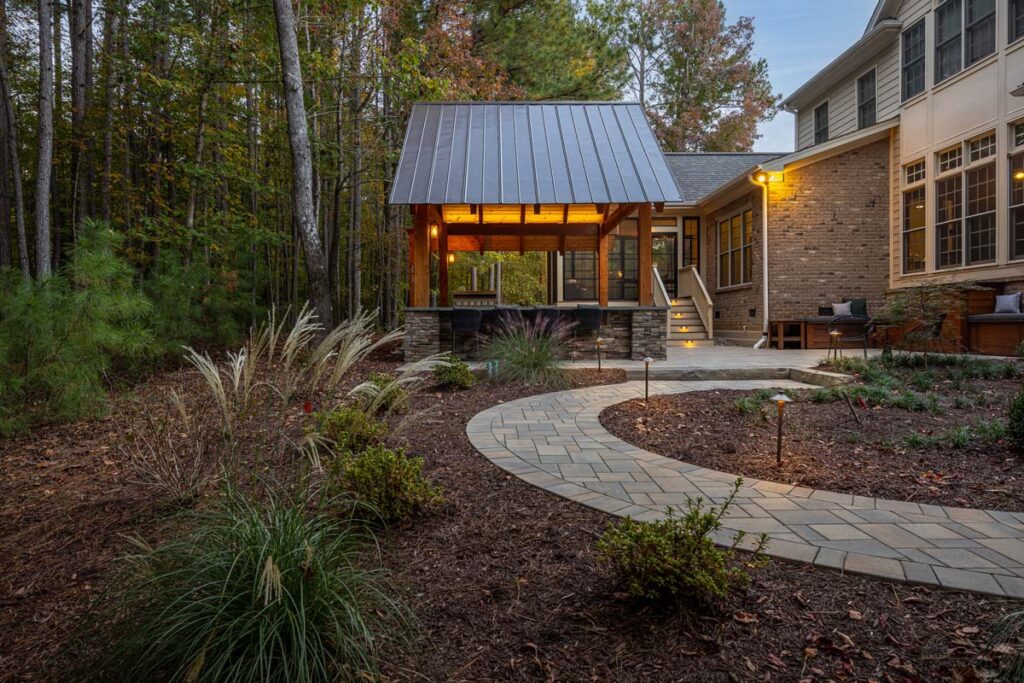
579,276
913,55
913,231
948,39
951,158
821,123
623,266
982,148
735,250
914,172
866,100
1016,19
981,215
949,198
1018,134
1017,206
980,25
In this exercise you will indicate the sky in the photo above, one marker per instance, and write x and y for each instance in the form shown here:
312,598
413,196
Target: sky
798,38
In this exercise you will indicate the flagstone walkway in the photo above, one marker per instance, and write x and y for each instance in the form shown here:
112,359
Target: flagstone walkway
555,441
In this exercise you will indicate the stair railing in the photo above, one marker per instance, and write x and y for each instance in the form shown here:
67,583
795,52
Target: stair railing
661,297
691,285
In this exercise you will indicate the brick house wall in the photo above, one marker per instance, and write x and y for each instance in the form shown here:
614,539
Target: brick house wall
828,240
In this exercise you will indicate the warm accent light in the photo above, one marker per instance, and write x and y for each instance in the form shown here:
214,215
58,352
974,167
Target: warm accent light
768,177
688,344
1018,175
433,230
780,400
678,316
684,329
451,257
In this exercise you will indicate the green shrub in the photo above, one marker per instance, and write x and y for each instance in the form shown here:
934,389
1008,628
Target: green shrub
389,481
677,557
392,396
755,403
454,372
256,592
917,440
959,437
529,353
1019,351
59,337
350,429
1015,423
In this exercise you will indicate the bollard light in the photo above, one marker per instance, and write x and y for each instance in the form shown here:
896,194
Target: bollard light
598,343
780,400
647,377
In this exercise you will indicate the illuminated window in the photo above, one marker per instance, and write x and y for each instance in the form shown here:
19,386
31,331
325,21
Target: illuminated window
913,230
949,228
1017,206
735,250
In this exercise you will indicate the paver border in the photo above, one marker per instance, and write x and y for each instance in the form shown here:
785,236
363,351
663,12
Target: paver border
555,441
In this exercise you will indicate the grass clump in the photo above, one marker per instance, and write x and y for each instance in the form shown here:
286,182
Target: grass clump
350,429
1015,423
256,592
677,557
452,371
753,404
389,481
961,436
529,353
391,396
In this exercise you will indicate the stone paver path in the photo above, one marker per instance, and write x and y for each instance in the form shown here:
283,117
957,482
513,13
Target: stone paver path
556,442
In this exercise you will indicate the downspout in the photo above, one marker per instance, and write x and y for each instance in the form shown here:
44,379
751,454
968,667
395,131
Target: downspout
764,253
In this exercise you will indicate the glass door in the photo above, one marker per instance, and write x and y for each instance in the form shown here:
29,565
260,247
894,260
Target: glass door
622,269
691,243
664,246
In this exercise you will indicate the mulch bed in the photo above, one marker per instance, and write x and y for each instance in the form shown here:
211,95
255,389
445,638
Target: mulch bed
503,580
826,448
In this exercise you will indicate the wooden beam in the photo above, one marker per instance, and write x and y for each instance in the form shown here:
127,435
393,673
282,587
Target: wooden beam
644,247
659,207
522,244
420,278
603,241
442,266
616,217
565,213
561,245
515,229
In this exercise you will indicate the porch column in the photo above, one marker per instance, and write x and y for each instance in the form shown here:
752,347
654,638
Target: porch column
419,280
602,267
442,265
645,247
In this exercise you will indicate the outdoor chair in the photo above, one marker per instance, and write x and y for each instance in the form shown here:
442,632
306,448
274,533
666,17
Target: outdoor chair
929,335
466,320
848,328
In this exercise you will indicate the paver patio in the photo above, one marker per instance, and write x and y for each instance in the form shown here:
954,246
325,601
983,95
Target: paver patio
556,442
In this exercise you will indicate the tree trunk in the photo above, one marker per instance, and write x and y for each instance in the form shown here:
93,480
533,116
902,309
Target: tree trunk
80,50
356,194
193,189
45,155
58,119
10,124
302,170
110,27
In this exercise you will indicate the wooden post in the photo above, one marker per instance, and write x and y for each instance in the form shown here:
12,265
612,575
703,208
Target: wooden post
645,247
602,268
420,278
442,265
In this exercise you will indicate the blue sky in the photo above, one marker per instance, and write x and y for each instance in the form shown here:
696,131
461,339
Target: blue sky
798,37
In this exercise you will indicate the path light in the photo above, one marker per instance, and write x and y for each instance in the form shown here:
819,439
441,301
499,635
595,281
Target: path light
647,376
598,343
780,400
834,344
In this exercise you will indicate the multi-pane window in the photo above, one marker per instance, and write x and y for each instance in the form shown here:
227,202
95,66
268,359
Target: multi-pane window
949,198
623,265
1018,133
914,172
663,248
866,100
948,39
1016,19
980,22
1017,206
981,214
913,55
735,250
821,123
579,276
983,147
691,242
913,230
950,159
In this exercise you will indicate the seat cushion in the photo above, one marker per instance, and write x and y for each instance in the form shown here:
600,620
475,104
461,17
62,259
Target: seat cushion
1008,303
845,308
996,318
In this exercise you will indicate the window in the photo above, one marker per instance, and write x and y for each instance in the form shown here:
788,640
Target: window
691,242
914,173
1017,206
1016,20
735,250
663,247
579,276
950,159
1018,132
913,231
866,100
983,147
821,123
981,30
948,43
981,215
623,266
913,60
949,199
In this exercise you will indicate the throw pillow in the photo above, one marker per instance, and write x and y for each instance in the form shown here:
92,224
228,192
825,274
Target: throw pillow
859,306
842,309
1008,303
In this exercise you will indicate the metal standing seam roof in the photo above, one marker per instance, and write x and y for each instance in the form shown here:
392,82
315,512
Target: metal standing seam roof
531,153
698,174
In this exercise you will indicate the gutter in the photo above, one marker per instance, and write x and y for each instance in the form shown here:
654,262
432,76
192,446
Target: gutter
764,254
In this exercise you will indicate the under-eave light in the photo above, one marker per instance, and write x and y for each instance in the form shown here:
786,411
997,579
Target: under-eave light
433,230
451,257
1018,175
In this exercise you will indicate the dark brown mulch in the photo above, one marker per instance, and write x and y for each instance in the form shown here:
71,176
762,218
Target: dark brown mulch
506,586
826,448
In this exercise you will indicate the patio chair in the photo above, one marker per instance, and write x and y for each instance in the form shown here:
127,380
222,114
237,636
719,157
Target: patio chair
929,335
466,320
848,328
